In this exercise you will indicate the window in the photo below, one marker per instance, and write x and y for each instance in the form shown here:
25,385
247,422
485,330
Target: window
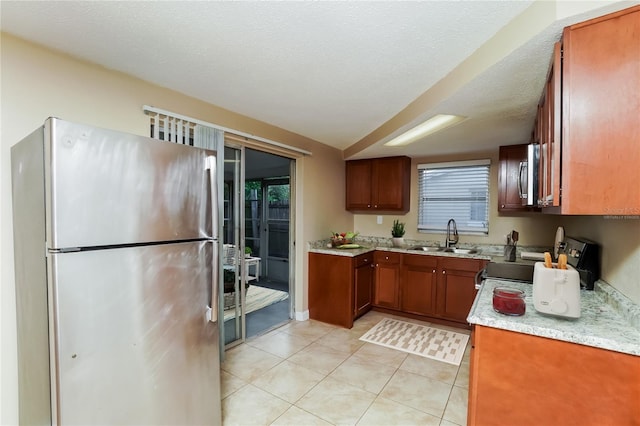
459,191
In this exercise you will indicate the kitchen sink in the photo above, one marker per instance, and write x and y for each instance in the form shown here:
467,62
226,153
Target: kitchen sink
446,250
461,250
427,248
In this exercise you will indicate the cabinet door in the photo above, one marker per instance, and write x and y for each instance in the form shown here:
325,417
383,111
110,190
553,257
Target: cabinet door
558,376
601,106
456,293
358,175
363,284
331,298
387,280
419,284
391,183
456,287
549,171
512,165
378,184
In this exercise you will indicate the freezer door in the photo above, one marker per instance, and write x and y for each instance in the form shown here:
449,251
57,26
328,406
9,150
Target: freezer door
132,341
106,188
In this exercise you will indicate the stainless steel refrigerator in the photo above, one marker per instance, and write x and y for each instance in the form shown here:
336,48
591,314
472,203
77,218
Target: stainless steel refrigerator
116,279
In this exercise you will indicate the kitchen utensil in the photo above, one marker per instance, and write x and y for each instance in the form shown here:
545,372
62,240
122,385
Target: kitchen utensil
556,291
559,242
510,253
514,237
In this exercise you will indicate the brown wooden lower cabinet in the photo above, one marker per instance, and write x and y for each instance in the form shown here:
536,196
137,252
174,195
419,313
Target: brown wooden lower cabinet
456,287
430,286
419,279
387,279
519,379
340,287
363,285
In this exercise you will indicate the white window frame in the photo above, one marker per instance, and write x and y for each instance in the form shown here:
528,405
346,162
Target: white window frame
456,209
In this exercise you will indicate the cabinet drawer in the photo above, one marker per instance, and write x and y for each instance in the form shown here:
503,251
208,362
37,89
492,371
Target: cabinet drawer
388,257
364,259
471,265
420,260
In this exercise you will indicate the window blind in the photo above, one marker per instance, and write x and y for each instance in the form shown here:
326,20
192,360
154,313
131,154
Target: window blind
180,129
458,191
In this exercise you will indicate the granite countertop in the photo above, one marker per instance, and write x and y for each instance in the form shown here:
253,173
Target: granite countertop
602,324
491,253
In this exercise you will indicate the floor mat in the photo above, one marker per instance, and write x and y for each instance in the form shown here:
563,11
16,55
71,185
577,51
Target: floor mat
258,298
429,342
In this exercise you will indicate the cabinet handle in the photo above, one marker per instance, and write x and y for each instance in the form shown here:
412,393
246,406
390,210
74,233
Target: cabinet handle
368,206
434,271
444,272
386,257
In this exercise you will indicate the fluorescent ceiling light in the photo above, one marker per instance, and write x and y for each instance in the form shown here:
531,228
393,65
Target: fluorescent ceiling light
432,125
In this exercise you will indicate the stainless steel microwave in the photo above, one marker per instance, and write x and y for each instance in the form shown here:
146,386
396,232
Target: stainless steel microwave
528,176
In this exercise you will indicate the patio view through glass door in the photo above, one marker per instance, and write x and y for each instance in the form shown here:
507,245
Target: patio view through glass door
277,235
267,218
256,242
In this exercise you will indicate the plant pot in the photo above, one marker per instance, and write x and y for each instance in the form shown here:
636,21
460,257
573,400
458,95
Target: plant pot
397,241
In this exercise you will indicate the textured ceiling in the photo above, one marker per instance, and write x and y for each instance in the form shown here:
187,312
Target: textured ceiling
331,71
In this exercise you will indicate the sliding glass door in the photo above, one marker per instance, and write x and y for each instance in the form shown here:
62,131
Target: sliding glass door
234,328
276,201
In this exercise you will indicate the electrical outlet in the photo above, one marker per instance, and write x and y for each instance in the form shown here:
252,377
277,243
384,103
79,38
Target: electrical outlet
379,220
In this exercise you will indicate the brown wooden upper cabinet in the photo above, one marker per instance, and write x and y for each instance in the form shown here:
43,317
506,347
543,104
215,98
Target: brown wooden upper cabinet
378,185
594,169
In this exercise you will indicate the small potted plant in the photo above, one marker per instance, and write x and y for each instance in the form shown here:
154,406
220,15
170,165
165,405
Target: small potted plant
397,232
247,251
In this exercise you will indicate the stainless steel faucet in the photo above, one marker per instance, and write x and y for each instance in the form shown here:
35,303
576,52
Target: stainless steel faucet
451,242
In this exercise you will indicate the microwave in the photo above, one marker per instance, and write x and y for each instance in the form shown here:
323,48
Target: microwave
528,176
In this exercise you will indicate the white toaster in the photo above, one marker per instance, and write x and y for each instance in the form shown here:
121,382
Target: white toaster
556,291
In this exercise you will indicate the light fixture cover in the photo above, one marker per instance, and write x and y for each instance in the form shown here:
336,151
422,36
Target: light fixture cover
432,125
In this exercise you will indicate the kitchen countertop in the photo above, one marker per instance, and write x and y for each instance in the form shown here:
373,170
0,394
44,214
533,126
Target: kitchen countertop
608,319
601,324
485,252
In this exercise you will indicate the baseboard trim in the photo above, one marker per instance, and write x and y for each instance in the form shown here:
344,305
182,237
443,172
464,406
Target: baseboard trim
302,316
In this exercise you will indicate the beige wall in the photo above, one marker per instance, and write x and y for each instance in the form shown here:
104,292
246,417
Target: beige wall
37,83
619,238
534,229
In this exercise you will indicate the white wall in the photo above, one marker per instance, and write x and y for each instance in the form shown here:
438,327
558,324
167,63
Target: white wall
37,83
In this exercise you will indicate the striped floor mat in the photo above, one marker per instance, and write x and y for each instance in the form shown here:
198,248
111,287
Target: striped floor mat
257,298
429,342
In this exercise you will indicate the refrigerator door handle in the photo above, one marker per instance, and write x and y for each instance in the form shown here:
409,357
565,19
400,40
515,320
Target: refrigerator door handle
213,188
212,311
212,314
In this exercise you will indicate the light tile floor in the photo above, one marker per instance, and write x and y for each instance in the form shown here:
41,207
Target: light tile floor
312,373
